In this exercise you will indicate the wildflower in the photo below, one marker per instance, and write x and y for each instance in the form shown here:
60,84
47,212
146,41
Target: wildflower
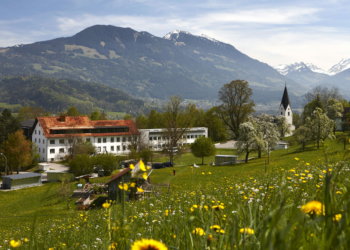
199,231
338,192
222,231
246,230
133,184
215,227
144,176
195,206
307,164
330,169
140,190
324,171
120,186
337,217
106,205
14,243
142,166
125,186
210,237
203,173
145,244
297,159
313,207
289,178
113,246
132,166
148,167
25,240
166,212
209,172
205,207
192,209
218,207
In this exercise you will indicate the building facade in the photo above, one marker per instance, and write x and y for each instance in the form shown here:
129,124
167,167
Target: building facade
157,138
55,136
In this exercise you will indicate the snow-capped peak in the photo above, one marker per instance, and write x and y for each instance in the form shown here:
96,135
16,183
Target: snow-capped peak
176,33
284,69
315,68
344,64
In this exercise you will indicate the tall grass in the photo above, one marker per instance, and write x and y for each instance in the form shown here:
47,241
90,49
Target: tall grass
270,204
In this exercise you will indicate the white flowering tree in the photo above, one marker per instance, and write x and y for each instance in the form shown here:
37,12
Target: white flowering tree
283,126
321,126
269,132
303,135
334,110
249,138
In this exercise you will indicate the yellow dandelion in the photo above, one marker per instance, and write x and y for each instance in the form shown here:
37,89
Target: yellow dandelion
125,186
338,192
144,176
209,173
148,167
203,173
113,246
133,184
166,212
120,186
337,217
289,178
215,227
132,166
106,205
140,190
142,166
297,159
14,243
199,231
246,230
313,207
324,171
330,169
146,244
307,164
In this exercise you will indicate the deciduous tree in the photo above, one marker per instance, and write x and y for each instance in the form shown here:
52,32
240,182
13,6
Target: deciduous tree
81,164
283,126
236,104
248,138
18,150
203,147
303,135
8,125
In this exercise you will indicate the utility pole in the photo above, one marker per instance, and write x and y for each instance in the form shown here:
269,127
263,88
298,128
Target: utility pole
5,163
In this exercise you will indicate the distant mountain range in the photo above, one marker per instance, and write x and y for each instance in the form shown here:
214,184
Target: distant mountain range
311,75
146,66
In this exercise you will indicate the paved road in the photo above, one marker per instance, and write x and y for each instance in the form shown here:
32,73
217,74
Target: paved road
228,144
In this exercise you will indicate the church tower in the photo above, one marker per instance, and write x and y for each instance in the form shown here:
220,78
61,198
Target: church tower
285,108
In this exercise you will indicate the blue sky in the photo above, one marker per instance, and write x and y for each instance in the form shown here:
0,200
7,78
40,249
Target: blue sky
273,32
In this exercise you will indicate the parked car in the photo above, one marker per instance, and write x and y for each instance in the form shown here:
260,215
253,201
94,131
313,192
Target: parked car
157,165
168,164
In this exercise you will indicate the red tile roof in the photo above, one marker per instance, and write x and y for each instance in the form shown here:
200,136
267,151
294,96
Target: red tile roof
126,170
81,122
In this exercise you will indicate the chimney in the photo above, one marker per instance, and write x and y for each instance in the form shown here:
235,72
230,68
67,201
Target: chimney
63,118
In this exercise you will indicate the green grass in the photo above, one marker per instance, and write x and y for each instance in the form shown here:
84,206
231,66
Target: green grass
270,204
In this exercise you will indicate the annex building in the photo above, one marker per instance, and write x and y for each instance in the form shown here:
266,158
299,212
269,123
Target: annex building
55,136
157,138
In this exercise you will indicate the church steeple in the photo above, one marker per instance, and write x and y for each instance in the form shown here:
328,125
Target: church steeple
285,99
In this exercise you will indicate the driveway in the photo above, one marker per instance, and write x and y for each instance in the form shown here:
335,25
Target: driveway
228,144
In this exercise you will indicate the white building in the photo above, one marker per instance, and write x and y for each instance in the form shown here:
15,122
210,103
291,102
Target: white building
285,108
157,138
55,135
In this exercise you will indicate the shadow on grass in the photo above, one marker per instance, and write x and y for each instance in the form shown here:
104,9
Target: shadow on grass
98,202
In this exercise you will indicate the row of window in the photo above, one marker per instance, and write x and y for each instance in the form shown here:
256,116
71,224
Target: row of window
40,140
112,149
158,138
99,140
93,131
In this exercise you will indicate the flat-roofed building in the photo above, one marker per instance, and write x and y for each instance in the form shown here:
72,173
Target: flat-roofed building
158,140
55,136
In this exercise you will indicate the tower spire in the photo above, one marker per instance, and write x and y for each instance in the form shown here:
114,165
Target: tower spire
285,99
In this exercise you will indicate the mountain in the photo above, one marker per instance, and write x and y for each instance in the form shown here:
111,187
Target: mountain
146,66
306,74
344,64
56,95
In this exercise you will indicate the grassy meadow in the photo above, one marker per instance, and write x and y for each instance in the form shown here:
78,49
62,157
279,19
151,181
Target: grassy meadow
301,202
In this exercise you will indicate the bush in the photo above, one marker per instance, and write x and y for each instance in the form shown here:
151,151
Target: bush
81,164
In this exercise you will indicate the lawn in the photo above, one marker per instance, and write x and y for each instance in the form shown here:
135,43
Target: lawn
207,207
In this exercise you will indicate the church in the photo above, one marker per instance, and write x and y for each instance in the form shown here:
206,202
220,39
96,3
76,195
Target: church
285,109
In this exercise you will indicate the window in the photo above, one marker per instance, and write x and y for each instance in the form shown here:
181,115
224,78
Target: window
61,150
35,131
191,136
104,149
112,148
99,141
159,138
44,150
118,148
39,150
87,139
39,132
61,141
118,139
150,138
288,113
99,149
43,141
196,136
51,141
188,137
39,140
281,113
155,138
52,151
104,140
112,139
35,139
124,148
124,139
